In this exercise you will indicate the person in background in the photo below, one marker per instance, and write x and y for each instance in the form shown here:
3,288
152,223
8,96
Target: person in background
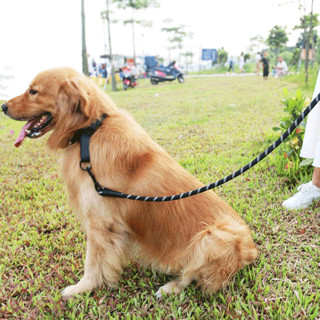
265,65
281,68
258,61
309,192
231,65
103,71
92,66
241,62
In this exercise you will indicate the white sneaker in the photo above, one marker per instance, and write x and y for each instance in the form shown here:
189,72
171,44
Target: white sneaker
307,193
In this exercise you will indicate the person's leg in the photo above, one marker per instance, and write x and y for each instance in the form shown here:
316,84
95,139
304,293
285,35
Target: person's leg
316,177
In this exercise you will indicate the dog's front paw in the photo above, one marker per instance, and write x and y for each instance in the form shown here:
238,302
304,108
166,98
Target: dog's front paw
85,284
70,291
172,287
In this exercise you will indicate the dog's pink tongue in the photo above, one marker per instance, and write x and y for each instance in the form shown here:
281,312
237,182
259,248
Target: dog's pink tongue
22,134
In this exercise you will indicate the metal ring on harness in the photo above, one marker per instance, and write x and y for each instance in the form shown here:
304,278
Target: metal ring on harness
87,167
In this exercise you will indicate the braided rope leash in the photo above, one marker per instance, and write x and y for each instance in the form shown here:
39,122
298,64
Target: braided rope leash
115,194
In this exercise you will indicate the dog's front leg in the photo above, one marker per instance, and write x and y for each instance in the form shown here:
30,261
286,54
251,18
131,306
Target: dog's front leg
107,251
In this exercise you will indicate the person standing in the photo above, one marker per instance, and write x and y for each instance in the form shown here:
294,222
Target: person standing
309,192
258,61
231,65
265,65
241,62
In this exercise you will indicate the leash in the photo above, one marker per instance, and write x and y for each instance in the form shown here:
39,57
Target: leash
83,135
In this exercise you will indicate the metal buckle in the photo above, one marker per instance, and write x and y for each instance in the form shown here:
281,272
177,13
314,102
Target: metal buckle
86,167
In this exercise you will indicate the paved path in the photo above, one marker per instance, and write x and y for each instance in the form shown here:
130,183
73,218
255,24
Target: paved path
221,75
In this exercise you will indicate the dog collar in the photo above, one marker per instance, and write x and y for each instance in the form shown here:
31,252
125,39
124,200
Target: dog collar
89,131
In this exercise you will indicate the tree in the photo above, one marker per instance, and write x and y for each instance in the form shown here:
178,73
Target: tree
222,56
135,5
308,44
304,23
308,38
295,58
176,37
106,15
189,56
318,51
143,23
84,46
256,43
301,42
277,38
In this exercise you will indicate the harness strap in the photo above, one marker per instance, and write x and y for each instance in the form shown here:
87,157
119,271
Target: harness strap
94,126
84,148
83,135
85,155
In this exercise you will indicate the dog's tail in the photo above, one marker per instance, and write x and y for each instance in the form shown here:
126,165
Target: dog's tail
217,253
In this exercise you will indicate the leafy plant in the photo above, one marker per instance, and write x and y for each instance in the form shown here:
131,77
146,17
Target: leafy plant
222,56
287,160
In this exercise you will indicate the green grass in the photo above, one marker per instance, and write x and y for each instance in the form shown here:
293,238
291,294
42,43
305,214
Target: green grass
249,67
299,78
212,127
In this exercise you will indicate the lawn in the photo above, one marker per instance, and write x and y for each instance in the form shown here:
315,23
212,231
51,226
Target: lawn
212,126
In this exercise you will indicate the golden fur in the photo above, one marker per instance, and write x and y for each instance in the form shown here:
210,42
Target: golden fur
199,238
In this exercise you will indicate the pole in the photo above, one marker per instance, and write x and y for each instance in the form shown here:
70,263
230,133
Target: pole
133,40
84,47
113,78
308,45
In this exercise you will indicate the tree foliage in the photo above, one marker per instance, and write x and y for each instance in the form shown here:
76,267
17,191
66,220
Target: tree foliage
136,4
277,38
246,57
305,26
222,56
176,36
305,21
256,43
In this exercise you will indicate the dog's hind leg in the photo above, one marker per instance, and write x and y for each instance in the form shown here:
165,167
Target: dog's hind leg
107,251
218,252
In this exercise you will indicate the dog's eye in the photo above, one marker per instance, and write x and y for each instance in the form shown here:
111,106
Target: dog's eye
31,91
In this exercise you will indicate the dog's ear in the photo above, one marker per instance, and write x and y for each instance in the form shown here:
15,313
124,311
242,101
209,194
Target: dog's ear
73,96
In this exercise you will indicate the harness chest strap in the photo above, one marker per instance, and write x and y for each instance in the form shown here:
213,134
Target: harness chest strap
83,136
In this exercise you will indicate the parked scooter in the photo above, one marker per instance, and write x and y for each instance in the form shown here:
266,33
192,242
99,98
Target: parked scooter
169,73
128,78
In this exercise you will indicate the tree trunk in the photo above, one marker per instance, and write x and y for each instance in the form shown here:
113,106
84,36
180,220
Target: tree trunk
113,78
84,47
276,59
133,40
308,45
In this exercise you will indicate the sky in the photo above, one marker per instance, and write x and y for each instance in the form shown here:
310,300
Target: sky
41,34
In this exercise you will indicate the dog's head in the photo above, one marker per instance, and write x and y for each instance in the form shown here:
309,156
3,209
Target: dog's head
61,100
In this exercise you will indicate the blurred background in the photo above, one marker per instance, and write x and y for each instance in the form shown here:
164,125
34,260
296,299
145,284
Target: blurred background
41,34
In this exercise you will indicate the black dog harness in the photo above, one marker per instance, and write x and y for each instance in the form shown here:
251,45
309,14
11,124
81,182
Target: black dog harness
83,135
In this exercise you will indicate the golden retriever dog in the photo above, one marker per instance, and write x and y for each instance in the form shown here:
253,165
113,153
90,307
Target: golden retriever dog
199,238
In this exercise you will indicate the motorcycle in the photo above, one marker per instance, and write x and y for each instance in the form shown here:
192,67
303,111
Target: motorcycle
168,73
128,78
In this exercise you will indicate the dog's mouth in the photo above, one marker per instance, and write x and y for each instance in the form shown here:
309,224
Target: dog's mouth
35,128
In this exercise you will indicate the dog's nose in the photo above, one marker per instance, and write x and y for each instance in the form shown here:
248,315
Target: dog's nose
4,108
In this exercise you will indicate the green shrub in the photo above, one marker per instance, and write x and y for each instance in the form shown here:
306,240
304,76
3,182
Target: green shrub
287,56
249,67
287,159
